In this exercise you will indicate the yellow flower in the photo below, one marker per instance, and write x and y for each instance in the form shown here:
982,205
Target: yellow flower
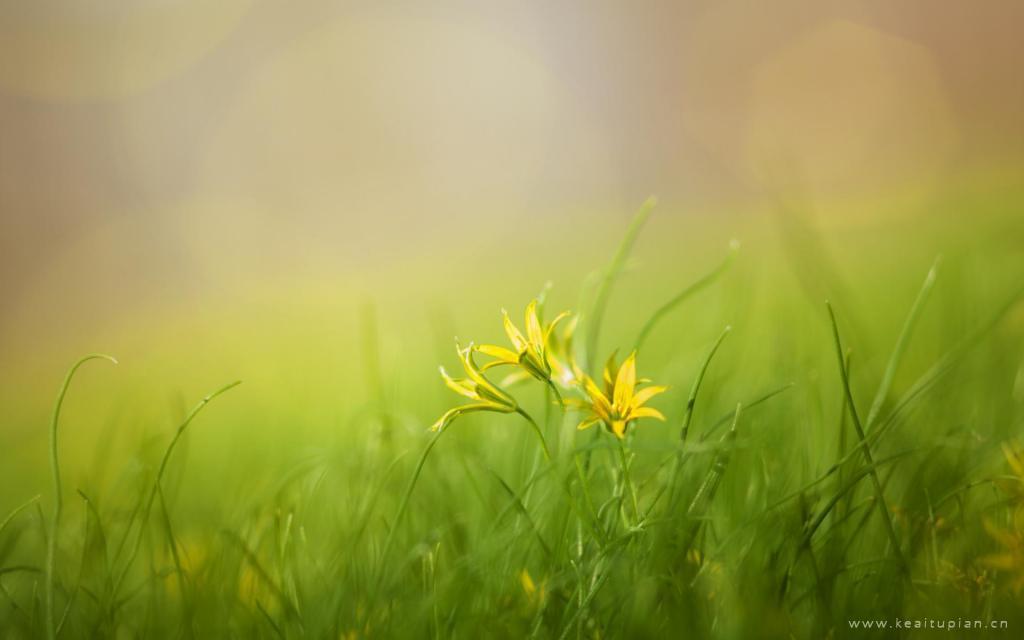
475,387
621,402
1011,557
534,594
1014,483
192,557
972,582
254,589
530,351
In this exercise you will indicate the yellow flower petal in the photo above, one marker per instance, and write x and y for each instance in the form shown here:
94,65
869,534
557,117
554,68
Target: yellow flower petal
487,366
528,586
554,323
646,412
619,428
460,386
501,353
1004,561
485,389
641,397
514,336
625,382
1004,538
586,424
600,404
1015,459
533,329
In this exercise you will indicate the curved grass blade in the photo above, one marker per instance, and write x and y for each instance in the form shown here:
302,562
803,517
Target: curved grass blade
14,514
97,544
901,346
691,401
727,418
944,364
19,568
155,489
402,506
583,604
883,506
859,475
681,459
709,487
611,273
522,510
683,295
537,431
172,542
254,562
58,499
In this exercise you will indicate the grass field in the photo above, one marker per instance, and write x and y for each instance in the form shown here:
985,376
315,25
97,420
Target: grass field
818,464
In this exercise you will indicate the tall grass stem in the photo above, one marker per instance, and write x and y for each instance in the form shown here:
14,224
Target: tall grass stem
883,506
610,275
58,498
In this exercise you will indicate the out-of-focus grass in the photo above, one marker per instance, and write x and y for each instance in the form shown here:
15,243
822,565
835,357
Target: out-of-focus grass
275,513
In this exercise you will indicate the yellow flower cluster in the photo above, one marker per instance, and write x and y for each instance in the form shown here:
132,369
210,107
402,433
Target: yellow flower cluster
546,354
1010,558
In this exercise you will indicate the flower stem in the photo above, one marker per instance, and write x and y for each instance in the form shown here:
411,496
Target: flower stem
558,395
627,481
403,505
537,430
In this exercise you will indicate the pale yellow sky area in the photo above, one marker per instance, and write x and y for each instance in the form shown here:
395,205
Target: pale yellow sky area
182,146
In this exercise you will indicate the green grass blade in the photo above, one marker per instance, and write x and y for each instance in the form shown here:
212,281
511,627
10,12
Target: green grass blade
58,499
945,364
250,557
747,406
172,543
81,566
691,401
537,432
14,514
148,505
402,506
522,510
611,273
883,506
845,489
901,346
709,487
683,295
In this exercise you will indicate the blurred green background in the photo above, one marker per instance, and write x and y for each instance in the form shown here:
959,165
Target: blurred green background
316,198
